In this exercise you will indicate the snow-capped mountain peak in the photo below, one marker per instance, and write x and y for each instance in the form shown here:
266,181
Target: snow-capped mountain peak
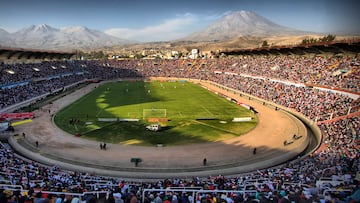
42,28
238,24
46,37
74,29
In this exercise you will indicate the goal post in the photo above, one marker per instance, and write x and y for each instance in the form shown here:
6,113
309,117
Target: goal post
154,113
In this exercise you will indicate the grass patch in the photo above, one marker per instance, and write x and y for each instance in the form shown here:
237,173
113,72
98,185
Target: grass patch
184,103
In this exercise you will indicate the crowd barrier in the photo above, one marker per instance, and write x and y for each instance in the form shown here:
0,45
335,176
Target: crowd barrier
24,192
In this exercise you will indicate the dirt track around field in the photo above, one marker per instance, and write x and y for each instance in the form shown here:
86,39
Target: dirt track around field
273,128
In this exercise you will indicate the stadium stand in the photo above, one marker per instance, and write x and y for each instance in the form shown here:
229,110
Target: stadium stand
322,88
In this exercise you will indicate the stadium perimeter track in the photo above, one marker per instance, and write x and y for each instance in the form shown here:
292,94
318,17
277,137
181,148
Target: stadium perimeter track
229,157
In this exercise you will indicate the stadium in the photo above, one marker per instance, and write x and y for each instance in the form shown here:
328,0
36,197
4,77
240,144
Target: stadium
307,130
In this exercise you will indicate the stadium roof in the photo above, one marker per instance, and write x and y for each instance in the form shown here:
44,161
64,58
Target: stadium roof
31,54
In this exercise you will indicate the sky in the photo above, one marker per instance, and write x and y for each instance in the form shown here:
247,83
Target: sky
159,20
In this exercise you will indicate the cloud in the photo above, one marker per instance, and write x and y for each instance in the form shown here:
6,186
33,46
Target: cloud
216,16
169,29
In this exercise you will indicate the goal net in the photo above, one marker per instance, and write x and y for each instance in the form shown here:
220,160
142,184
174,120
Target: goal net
154,113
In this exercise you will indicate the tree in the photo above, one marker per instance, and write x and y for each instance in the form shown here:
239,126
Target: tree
265,44
138,56
328,38
309,41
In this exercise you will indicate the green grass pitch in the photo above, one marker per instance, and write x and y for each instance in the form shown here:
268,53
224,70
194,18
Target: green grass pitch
185,104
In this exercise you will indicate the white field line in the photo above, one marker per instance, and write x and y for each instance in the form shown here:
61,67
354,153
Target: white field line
207,110
99,112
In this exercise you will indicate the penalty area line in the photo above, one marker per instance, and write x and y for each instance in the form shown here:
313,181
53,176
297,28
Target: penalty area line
97,115
207,110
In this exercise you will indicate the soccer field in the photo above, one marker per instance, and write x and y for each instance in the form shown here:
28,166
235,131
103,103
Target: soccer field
193,114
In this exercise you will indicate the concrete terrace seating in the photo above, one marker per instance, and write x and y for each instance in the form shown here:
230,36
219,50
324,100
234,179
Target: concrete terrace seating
297,179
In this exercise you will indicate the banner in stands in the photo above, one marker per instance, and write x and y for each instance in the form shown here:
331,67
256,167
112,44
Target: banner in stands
14,116
244,105
230,73
242,119
107,119
118,119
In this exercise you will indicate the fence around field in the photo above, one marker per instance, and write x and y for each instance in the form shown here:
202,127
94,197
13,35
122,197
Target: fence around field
195,192
79,195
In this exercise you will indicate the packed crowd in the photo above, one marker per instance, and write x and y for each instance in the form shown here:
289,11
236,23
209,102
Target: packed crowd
296,181
282,79
342,137
21,82
287,84
262,76
340,72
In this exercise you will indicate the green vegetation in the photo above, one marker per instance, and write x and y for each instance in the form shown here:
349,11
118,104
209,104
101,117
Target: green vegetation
195,115
265,44
327,38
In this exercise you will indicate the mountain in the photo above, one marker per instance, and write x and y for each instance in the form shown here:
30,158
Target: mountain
37,29
5,38
240,24
46,37
82,35
37,37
